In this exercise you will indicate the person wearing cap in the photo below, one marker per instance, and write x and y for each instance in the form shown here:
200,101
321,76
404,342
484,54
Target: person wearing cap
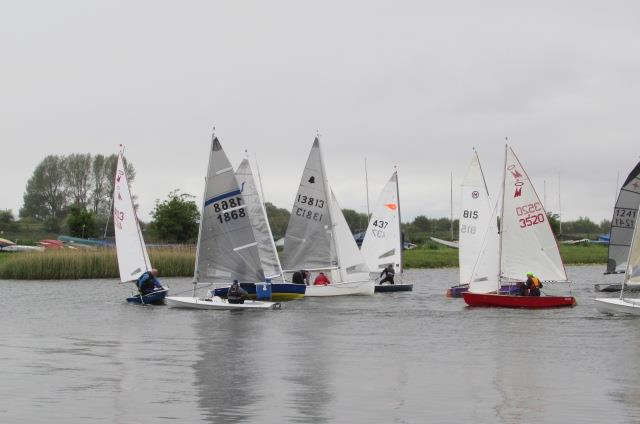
533,284
236,294
148,282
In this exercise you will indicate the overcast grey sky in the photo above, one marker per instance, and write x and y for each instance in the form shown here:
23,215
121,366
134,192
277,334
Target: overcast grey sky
416,84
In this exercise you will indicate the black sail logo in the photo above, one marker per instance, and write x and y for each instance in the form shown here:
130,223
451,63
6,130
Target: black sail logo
312,180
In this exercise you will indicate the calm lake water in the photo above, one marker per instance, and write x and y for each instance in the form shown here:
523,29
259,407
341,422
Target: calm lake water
74,352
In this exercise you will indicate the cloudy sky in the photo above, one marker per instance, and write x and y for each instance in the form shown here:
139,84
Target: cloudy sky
413,84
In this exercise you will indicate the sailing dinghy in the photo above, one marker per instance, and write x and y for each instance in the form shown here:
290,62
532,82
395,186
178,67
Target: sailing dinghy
526,243
382,244
621,233
133,259
622,305
318,238
475,220
271,267
227,247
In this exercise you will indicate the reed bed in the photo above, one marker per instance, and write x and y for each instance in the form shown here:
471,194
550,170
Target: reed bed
178,261
100,263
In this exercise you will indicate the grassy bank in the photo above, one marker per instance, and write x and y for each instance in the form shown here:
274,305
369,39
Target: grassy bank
101,263
179,261
437,256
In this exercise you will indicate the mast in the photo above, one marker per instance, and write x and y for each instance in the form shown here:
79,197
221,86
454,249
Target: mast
399,225
560,206
504,174
451,204
484,181
366,183
204,194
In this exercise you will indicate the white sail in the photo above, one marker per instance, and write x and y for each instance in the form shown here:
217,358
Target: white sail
382,244
475,218
259,221
632,274
623,221
485,269
527,242
133,259
307,242
349,259
227,247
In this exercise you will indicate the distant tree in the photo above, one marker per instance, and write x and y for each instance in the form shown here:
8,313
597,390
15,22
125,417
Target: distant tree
81,222
278,220
605,226
583,226
356,221
46,194
554,221
99,179
422,223
7,221
78,178
175,220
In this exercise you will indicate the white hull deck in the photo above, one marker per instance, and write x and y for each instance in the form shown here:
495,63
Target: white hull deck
352,288
216,303
613,306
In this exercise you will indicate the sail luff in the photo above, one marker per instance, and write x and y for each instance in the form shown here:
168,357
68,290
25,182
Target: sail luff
400,236
500,228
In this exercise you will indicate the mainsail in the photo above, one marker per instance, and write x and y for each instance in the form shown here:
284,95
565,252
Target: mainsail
308,240
227,247
527,242
623,221
475,218
382,244
485,275
259,221
133,259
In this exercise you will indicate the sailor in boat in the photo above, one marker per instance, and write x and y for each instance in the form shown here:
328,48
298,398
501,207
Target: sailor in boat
148,282
388,273
236,294
533,284
321,280
300,277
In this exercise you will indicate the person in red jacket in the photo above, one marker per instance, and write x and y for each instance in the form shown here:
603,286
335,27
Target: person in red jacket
321,280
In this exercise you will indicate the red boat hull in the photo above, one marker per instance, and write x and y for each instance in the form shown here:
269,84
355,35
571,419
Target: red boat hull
530,302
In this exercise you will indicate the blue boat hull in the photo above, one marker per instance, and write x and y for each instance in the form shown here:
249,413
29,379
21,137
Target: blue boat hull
155,298
279,291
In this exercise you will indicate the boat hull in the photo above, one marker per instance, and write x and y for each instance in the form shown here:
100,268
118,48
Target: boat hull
388,288
361,288
155,298
218,304
615,288
615,306
459,290
528,302
279,291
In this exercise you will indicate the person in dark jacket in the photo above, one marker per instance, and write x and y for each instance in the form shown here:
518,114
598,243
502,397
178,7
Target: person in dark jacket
533,284
236,294
148,282
388,273
300,277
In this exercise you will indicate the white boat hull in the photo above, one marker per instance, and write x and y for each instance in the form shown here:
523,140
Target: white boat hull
614,306
217,303
361,288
